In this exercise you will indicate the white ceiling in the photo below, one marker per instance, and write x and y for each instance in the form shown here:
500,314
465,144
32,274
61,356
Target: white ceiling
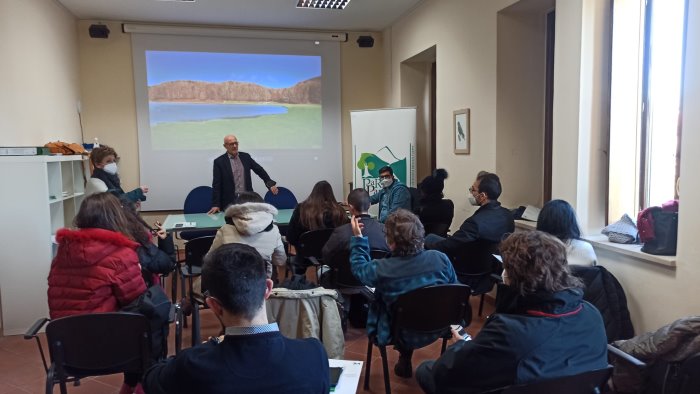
359,15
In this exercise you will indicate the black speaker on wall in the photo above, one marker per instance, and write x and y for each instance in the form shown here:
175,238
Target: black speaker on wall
365,41
98,31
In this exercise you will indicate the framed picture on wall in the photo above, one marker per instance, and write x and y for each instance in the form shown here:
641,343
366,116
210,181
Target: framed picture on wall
462,131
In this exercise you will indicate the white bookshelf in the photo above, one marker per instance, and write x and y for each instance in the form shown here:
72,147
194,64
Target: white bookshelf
41,194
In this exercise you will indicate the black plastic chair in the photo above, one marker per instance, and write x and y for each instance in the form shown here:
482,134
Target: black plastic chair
440,229
195,250
428,310
680,377
93,345
198,200
591,382
310,245
480,282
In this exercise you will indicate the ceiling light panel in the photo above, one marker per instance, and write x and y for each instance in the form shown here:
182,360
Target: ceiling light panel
327,4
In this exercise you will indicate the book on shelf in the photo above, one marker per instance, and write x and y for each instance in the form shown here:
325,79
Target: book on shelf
23,150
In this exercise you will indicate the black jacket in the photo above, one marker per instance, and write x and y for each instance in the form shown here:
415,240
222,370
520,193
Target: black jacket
435,211
258,363
477,238
339,242
224,193
605,292
540,336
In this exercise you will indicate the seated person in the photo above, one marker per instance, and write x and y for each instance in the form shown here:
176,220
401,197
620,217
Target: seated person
432,207
409,267
96,268
485,227
105,176
319,211
545,330
250,221
252,357
558,218
339,242
393,195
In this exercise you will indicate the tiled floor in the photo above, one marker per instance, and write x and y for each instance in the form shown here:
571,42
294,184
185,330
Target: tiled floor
21,370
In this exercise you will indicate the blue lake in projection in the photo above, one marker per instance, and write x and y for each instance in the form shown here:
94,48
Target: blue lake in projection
192,112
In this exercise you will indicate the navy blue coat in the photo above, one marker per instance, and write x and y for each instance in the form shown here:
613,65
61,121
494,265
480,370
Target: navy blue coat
224,193
540,336
260,363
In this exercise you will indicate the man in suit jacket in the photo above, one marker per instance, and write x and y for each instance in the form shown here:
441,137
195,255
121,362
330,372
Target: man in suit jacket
339,242
232,175
484,229
252,356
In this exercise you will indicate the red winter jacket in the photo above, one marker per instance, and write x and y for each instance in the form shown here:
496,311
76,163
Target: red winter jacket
95,270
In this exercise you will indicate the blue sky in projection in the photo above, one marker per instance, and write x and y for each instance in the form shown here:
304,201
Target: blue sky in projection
273,71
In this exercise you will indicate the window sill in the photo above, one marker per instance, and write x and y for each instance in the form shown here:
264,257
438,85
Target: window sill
632,250
601,241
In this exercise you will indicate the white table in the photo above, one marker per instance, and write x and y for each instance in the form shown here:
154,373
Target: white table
350,378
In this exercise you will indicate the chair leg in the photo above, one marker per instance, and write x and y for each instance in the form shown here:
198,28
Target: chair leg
481,304
183,294
62,385
385,367
195,324
178,329
49,380
444,346
368,364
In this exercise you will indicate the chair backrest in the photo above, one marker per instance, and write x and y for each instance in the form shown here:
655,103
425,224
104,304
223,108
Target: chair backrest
311,242
196,249
99,344
198,200
284,199
690,378
432,308
583,383
475,257
342,273
440,229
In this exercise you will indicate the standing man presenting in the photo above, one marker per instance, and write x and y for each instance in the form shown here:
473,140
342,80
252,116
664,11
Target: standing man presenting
394,194
232,175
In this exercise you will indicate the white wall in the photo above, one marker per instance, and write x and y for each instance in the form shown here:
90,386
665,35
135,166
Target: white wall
39,74
464,34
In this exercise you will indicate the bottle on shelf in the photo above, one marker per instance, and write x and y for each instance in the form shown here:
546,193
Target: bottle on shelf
96,144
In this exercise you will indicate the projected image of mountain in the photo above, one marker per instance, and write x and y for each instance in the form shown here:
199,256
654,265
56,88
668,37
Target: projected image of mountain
268,101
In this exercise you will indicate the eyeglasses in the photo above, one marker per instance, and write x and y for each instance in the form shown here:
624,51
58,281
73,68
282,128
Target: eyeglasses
472,190
231,144
385,176
206,295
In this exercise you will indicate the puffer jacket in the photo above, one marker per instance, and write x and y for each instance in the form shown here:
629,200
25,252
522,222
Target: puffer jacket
671,343
309,313
94,270
252,224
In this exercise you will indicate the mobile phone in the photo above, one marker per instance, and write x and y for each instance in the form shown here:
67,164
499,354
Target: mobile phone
335,375
461,331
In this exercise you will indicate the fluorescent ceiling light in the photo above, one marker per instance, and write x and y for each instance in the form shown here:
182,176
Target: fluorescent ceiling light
331,4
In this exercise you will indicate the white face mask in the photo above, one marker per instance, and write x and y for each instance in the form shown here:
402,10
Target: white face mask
472,201
111,168
387,182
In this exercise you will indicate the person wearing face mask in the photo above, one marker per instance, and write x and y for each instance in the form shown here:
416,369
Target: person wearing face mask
481,233
105,177
393,195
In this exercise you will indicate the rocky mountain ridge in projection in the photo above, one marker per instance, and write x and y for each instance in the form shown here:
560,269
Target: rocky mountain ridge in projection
305,92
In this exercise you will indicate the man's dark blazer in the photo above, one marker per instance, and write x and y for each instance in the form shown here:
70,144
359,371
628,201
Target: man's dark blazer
339,242
222,183
256,363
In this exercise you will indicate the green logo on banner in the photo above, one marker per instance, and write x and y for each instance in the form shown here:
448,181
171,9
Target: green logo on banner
370,163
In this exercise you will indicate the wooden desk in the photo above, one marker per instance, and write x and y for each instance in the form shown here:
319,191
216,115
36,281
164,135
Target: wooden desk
205,221
350,378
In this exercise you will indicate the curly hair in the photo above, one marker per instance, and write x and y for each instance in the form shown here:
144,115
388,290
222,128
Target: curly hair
98,154
405,231
536,261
